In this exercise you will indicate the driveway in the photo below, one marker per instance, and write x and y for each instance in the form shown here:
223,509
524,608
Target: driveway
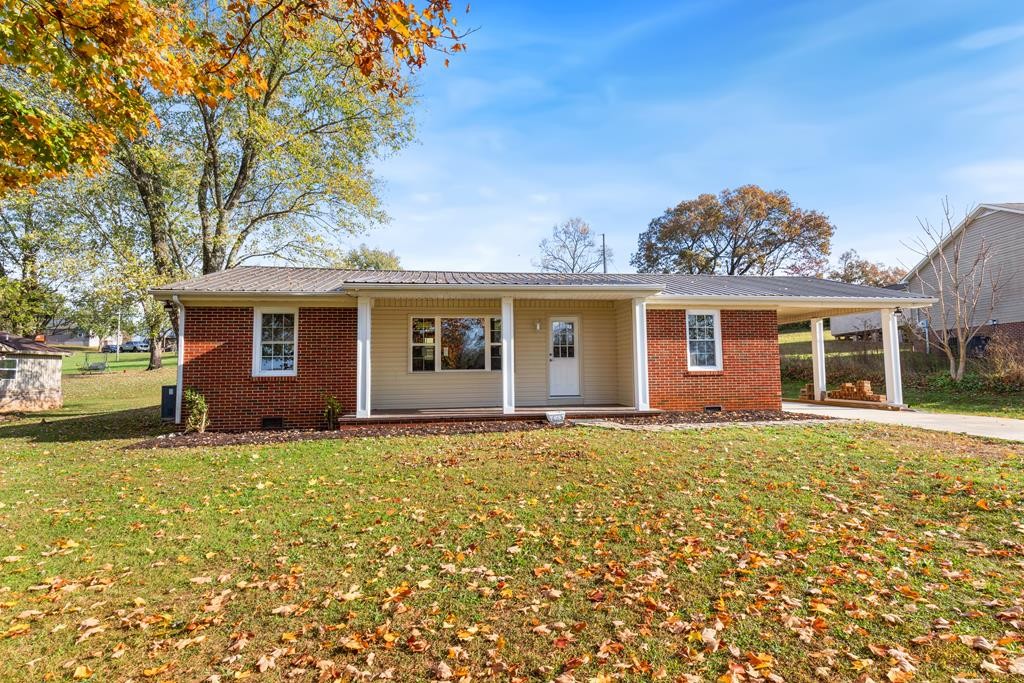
975,425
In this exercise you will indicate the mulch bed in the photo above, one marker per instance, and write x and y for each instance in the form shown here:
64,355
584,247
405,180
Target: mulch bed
445,428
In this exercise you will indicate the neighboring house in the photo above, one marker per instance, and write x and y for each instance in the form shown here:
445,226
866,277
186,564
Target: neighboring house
265,345
66,333
1002,227
30,374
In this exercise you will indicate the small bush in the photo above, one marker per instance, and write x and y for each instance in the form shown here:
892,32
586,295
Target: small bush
332,411
1004,363
198,412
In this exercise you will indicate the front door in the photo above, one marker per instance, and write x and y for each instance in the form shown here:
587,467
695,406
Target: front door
564,358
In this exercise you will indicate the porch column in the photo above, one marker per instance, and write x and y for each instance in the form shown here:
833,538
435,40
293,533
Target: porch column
508,356
641,390
818,359
891,353
363,321
180,360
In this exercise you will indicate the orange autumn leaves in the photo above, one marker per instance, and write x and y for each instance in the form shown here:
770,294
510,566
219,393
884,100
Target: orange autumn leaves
79,74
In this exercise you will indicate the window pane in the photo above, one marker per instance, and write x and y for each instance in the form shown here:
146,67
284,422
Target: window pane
277,327
8,368
422,330
495,356
495,330
462,344
423,359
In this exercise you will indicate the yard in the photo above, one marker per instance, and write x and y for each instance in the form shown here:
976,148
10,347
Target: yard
803,552
797,344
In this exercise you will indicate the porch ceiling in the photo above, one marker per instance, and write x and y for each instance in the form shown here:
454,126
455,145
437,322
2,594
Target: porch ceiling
795,314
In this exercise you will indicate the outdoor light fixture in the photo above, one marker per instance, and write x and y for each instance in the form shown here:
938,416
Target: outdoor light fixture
536,324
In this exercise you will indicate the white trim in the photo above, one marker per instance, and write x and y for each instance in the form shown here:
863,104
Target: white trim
257,324
641,383
717,319
364,327
577,353
508,378
16,366
891,355
485,318
818,358
180,388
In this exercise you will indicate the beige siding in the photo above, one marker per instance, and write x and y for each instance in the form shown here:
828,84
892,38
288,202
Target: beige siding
394,386
37,385
1004,233
597,350
601,353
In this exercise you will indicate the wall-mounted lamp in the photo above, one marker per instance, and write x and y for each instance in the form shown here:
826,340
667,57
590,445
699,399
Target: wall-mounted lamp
536,325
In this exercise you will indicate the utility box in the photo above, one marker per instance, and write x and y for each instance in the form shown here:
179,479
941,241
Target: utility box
168,402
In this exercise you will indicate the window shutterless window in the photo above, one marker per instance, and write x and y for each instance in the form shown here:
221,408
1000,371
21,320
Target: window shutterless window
704,340
275,342
8,368
453,343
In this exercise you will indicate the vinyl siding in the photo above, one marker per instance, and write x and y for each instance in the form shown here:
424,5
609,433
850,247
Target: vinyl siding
624,349
393,386
1004,233
37,385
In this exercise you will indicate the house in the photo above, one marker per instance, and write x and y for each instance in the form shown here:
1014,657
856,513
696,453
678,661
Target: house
66,333
266,345
1001,226
30,375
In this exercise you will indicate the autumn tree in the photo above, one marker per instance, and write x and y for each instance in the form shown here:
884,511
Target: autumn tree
959,269
746,231
853,268
77,76
572,248
366,258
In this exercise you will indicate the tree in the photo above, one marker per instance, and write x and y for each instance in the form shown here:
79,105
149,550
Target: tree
77,75
571,249
856,270
746,231
959,271
365,258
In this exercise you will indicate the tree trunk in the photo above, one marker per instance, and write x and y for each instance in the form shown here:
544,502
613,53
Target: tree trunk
156,350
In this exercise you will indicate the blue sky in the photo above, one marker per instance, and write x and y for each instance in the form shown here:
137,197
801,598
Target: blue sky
869,112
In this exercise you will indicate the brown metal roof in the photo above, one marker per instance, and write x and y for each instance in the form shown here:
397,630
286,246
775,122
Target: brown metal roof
290,280
12,343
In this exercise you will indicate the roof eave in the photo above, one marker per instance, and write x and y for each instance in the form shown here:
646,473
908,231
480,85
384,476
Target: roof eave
879,302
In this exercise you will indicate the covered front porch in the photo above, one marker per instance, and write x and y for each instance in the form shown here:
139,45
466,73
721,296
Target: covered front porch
455,356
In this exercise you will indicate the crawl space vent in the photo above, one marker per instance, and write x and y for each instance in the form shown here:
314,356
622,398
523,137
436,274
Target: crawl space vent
712,409
272,423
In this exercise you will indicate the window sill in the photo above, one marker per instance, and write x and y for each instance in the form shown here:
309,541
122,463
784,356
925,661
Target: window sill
704,370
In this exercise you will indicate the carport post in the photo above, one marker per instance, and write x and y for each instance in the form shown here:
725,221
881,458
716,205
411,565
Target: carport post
818,358
891,353
363,326
508,357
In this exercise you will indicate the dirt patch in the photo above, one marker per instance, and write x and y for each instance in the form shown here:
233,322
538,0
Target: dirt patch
711,418
346,432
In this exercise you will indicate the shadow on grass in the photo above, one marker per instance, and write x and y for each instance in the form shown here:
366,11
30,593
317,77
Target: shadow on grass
61,428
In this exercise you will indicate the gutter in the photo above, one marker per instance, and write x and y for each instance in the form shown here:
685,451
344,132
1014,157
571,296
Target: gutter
181,359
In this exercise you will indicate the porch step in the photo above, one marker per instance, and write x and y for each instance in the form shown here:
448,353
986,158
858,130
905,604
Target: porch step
487,416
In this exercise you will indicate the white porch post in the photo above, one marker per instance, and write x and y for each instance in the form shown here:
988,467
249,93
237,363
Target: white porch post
363,324
891,352
508,357
181,359
641,390
818,358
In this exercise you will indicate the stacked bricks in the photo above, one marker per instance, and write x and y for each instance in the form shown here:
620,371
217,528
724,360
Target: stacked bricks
861,391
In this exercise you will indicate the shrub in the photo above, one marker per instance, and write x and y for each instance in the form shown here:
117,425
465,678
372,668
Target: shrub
1004,363
198,412
332,411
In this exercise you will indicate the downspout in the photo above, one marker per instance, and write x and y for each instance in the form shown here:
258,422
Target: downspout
181,359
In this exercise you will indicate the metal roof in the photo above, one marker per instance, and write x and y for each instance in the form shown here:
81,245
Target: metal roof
12,343
320,281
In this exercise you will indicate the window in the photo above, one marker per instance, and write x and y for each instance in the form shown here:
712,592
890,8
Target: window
457,343
704,340
8,368
275,334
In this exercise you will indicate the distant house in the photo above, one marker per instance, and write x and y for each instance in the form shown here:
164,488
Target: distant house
66,333
30,375
265,345
999,225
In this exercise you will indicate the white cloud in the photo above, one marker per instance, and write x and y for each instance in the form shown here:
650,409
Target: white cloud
995,180
982,40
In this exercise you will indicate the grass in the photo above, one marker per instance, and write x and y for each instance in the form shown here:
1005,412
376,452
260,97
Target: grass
75,363
808,552
975,402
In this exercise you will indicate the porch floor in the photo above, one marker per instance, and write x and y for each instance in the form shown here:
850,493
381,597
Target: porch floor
483,414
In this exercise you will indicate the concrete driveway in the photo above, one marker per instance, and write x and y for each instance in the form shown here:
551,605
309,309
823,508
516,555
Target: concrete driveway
975,425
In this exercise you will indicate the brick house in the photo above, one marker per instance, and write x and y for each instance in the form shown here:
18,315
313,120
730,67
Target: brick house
266,345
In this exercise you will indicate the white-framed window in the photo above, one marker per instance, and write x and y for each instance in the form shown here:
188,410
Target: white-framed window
704,339
8,369
275,342
454,343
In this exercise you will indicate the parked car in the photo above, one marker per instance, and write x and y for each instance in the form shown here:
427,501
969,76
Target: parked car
135,346
108,348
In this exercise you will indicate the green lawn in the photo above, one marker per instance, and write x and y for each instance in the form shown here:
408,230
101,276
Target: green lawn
975,402
807,552
76,362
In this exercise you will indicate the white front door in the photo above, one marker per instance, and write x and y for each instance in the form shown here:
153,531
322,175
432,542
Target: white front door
564,358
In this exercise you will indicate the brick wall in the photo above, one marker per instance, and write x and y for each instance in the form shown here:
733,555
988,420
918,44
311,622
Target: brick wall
218,363
749,379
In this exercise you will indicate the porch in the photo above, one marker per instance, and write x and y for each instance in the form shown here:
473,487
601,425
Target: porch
492,414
